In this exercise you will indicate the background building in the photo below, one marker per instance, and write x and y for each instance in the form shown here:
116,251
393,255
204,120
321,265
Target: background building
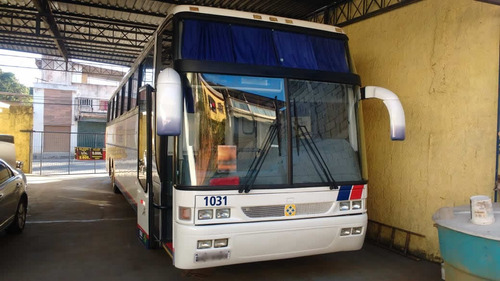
70,107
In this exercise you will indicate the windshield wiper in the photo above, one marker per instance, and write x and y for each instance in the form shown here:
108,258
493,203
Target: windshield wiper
312,150
273,132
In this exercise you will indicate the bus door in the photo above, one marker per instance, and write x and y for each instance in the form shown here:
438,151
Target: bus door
145,167
154,208
162,192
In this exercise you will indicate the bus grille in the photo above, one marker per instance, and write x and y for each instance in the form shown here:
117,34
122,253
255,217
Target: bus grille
279,210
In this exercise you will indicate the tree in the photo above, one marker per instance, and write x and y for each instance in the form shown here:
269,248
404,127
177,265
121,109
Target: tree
11,89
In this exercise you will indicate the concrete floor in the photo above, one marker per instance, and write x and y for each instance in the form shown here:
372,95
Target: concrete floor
78,229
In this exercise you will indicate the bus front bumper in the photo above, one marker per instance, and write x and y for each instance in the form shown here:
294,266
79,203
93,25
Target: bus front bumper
261,241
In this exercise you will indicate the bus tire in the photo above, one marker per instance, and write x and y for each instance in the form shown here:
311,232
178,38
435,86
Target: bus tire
115,188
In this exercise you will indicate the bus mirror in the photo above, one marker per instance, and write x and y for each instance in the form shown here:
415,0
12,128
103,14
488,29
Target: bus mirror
393,105
168,103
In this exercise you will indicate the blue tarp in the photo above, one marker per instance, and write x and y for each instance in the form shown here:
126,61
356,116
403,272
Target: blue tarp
204,40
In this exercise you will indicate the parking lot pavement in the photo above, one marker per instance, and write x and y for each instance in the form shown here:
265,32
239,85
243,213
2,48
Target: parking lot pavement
78,229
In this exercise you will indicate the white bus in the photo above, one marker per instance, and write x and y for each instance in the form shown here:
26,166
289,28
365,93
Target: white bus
237,137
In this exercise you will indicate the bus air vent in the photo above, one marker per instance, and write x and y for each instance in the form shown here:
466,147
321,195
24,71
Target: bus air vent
278,210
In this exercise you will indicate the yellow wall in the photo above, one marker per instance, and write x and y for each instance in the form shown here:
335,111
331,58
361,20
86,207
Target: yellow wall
12,121
441,57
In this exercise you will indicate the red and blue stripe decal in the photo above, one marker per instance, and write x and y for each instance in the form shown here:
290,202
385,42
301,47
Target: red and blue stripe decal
350,192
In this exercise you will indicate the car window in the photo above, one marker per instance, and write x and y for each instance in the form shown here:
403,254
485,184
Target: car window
5,173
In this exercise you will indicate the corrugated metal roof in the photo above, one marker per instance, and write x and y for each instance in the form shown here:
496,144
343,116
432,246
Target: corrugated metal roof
115,31
107,31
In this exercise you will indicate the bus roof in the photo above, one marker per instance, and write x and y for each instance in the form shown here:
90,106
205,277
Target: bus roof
253,16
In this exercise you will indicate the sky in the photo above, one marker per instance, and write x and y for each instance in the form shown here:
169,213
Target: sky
22,65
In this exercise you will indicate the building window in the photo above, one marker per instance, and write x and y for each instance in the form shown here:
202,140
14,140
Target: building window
86,102
103,105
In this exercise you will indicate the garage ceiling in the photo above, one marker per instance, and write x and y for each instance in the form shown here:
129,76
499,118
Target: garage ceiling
116,31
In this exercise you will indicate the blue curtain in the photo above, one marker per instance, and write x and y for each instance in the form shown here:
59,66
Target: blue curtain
253,45
294,50
332,54
204,40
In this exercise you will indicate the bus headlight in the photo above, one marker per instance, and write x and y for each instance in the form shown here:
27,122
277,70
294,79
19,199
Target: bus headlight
345,231
223,213
357,230
345,206
206,214
356,205
220,243
204,244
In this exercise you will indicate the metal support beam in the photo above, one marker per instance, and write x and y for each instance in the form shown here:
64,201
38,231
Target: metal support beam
13,42
342,13
45,12
109,40
28,24
29,13
111,7
108,33
104,21
56,64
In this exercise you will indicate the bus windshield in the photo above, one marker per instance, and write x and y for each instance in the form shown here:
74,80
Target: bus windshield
258,131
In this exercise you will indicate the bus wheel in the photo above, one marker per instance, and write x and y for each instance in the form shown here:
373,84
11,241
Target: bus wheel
113,183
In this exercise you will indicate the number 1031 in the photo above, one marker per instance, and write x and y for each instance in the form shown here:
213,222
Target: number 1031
215,200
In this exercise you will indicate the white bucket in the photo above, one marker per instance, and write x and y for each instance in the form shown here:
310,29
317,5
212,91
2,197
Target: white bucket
481,210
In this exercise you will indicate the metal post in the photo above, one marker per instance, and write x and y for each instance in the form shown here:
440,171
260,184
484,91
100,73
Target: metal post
95,146
69,153
498,141
42,136
30,169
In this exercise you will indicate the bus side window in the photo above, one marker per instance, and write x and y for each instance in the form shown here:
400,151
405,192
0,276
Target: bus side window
109,112
129,93
134,88
119,103
115,108
125,97
147,70
142,162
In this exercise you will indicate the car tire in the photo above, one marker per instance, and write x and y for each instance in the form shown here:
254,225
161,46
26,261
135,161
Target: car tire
19,222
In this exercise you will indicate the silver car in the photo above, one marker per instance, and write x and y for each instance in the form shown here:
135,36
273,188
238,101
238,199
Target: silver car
13,199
